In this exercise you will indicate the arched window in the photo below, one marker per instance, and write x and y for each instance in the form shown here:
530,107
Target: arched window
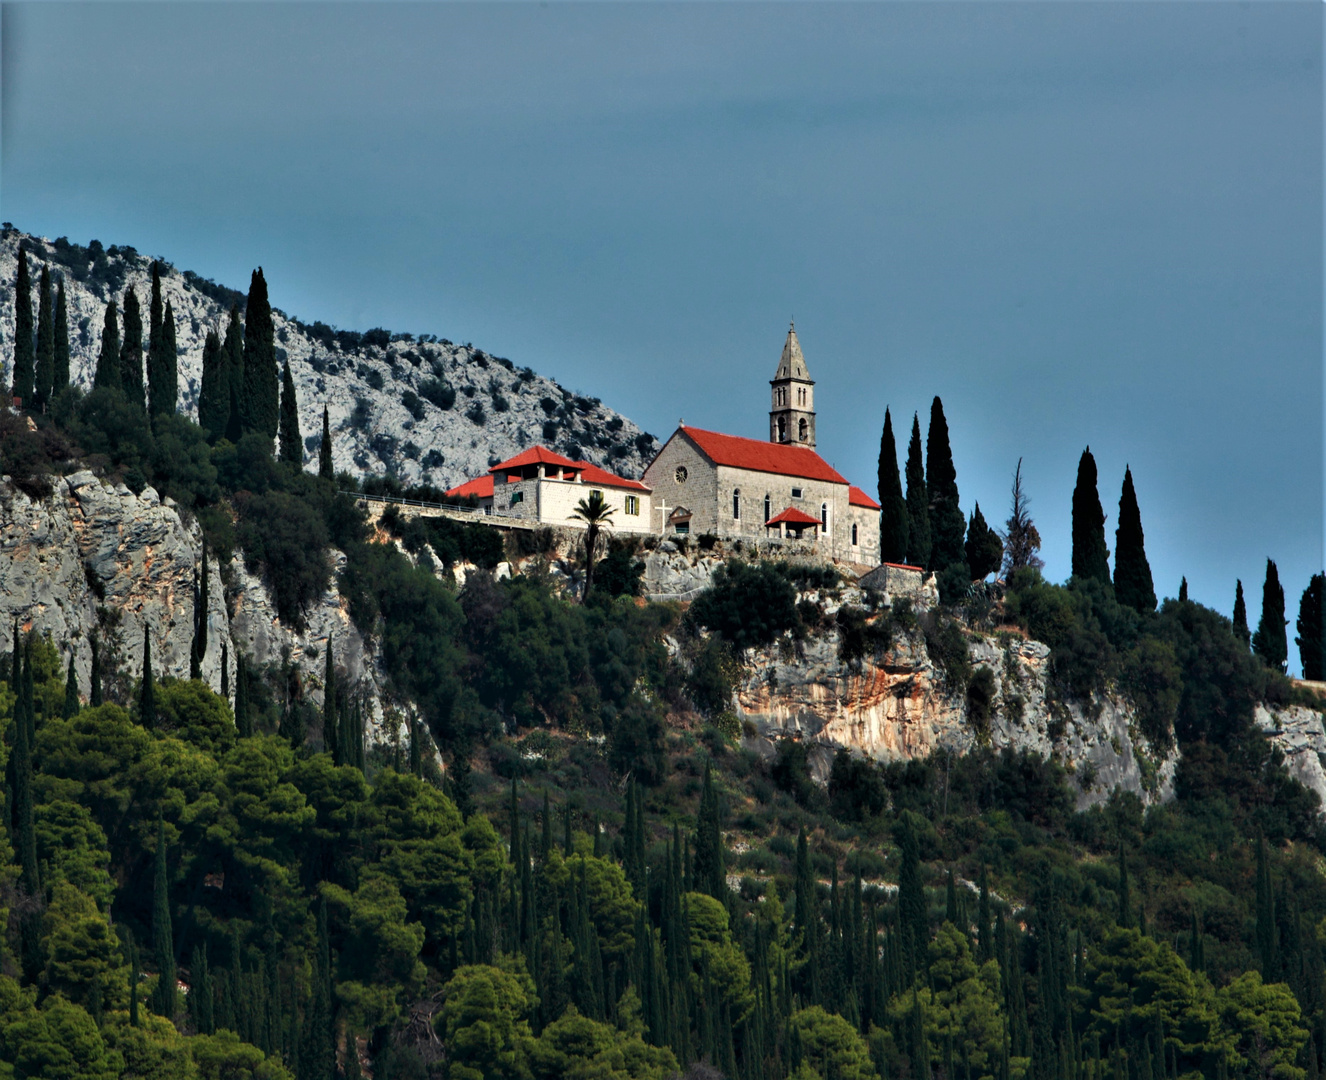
803,428
768,507
824,517
853,535
782,429
736,504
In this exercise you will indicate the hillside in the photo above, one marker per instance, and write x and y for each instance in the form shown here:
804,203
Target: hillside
498,409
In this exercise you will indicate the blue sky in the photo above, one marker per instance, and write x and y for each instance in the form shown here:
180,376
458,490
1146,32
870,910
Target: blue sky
1077,223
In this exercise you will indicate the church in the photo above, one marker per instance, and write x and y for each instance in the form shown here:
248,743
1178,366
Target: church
731,486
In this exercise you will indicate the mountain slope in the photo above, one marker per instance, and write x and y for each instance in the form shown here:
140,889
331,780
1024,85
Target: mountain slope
362,379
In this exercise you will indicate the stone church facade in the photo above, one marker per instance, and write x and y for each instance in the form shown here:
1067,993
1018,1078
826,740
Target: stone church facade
731,486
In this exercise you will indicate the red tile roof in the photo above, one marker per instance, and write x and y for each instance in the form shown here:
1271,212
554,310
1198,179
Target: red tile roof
535,455
592,474
481,487
857,497
793,516
761,456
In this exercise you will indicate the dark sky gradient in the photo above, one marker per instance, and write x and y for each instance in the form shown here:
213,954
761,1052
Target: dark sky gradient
1077,223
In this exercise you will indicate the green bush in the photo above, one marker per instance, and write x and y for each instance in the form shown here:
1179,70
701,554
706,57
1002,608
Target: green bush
286,539
748,604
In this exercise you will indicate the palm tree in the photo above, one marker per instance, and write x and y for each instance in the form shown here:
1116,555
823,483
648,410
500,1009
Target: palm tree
594,512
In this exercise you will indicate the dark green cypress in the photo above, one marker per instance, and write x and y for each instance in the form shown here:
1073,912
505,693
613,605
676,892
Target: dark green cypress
1266,931
232,350
1311,639
45,366
893,527
198,650
325,450
1183,590
911,897
163,371
94,690
951,900
1090,555
201,1006
983,548
154,325
416,750
225,669
984,949
1269,642
330,736
1133,586
291,443
131,352
243,714
1196,957
147,697
163,939
918,502
214,393
135,975
259,407
60,371
320,1036
1241,614
25,357
24,821
1125,896
947,525
70,690
108,360
709,871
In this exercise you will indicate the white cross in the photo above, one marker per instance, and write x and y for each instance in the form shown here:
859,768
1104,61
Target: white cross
662,508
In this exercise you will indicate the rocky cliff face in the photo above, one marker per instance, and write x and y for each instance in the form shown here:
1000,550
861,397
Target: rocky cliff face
97,559
898,707
499,408
1298,733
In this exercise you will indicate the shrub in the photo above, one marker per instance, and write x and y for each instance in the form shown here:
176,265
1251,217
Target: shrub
859,636
413,405
947,646
475,414
440,393
856,789
285,538
713,677
749,605
790,772
619,572
980,701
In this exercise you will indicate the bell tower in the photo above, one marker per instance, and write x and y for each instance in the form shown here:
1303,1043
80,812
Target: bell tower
792,415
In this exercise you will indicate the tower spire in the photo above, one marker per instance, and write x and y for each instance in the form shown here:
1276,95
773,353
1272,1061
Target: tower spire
792,412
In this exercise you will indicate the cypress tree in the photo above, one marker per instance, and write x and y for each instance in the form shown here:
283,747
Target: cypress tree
1125,897
147,697
1241,614
24,821
911,897
154,323
416,750
918,502
163,940
243,715
232,349
25,359
94,690
984,949
291,444
225,669
951,900
1090,555
198,651
1132,573
201,1006
60,370
325,450
259,406
1183,590
163,375
45,366
108,360
131,352
709,871
893,528
234,425
1269,642
947,525
1311,639
330,736
70,690
134,976
1266,922
214,393
984,549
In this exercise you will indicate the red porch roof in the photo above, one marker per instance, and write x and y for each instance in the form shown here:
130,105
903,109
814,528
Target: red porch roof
792,516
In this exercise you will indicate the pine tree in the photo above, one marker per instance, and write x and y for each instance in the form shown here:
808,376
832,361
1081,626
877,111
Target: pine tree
1241,614
198,651
291,444
1311,627
60,372
162,368
325,450
947,525
45,366
70,690
25,358
984,549
1090,555
330,736
214,393
893,528
1132,573
1269,642
147,697
259,407
131,352
108,360
918,502
163,941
